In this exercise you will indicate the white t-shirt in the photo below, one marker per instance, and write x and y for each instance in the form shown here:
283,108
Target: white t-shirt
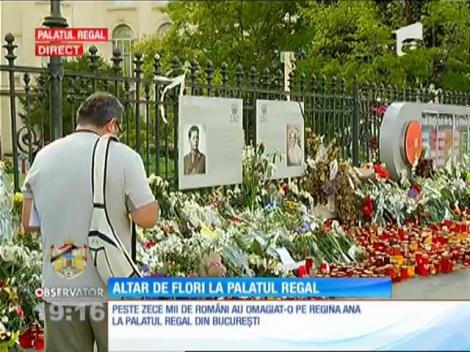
59,182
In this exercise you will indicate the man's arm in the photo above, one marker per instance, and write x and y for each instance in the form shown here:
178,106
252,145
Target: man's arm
139,197
26,216
28,203
146,216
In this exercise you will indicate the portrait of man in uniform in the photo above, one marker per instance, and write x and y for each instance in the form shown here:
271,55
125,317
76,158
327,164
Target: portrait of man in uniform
194,162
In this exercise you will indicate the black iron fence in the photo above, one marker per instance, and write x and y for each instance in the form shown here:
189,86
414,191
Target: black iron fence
346,111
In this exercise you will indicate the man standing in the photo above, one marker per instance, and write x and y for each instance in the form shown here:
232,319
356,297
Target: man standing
58,203
194,161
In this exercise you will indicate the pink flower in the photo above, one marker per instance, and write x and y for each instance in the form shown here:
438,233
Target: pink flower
148,244
19,311
379,110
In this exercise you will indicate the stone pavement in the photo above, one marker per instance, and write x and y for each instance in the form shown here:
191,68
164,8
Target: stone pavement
455,285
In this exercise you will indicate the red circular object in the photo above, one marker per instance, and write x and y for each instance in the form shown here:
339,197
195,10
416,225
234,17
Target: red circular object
413,142
26,339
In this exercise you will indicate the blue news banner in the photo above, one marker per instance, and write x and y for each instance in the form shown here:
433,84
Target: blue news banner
144,288
154,314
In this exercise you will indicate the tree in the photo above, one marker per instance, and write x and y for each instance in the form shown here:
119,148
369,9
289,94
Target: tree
251,33
356,38
447,37
340,37
346,38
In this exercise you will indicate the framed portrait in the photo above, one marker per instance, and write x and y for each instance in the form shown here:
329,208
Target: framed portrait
280,127
195,149
294,152
210,142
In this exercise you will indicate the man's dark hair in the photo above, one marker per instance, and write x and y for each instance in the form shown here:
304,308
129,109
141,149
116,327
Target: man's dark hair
193,128
98,109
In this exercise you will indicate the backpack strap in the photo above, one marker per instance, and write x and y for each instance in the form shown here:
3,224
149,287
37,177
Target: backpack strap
99,173
99,170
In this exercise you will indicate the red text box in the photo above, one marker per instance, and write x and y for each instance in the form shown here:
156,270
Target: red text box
59,49
45,35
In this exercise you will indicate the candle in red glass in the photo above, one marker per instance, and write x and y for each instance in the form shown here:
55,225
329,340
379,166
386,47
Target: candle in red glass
324,268
418,257
423,269
396,276
301,271
401,233
404,272
26,339
39,344
308,265
396,250
446,266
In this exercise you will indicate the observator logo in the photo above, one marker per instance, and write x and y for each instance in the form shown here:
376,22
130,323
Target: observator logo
69,292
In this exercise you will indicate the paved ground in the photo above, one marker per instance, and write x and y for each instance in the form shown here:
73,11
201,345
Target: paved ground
455,285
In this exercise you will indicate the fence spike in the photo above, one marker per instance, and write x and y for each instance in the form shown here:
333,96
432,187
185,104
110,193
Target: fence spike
239,75
224,73
209,72
26,80
323,86
116,59
157,65
302,83
10,46
138,62
147,91
253,76
41,86
266,78
291,81
175,63
93,56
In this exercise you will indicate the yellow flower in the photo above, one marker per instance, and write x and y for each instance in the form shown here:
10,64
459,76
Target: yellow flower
292,205
208,232
18,197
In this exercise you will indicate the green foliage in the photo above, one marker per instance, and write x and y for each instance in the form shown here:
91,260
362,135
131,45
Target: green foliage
345,38
341,37
258,166
247,32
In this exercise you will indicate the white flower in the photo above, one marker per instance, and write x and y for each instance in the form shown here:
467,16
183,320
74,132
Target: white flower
459,184
8,253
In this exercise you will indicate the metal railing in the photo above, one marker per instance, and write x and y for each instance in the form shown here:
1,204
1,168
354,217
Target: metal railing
47,100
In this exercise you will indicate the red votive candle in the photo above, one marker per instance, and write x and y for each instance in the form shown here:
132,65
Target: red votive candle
404,272
302,271
401,233
308,265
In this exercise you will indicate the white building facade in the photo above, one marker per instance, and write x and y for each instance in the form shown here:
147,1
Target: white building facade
127,22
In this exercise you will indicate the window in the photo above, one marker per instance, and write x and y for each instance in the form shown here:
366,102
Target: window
122,39
163,28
